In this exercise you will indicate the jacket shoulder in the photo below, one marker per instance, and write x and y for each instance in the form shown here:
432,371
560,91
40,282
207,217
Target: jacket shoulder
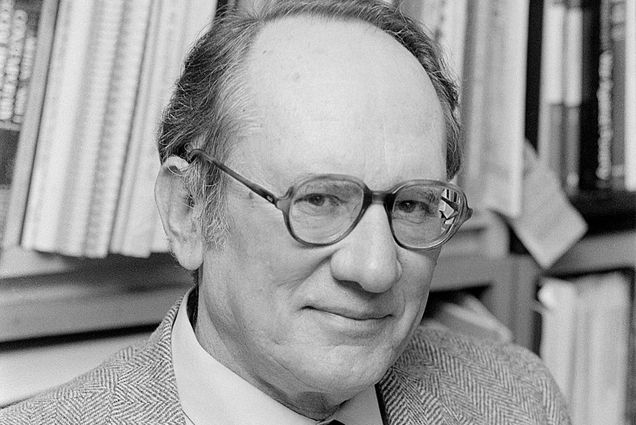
136,385
466,380
67,403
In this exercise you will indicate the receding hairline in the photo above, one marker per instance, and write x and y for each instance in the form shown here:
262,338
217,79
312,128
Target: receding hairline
318,19
248,113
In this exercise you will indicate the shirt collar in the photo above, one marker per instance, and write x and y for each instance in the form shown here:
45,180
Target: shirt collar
212,394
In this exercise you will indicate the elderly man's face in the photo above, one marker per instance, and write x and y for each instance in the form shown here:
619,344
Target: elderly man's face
314,326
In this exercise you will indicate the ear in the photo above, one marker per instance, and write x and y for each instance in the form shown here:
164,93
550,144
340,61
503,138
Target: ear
176,212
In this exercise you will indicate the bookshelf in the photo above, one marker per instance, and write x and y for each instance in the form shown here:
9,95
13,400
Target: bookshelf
579,113
48,297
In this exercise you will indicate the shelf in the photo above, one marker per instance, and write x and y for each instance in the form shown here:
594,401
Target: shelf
89,300
597,253
606,210
18,262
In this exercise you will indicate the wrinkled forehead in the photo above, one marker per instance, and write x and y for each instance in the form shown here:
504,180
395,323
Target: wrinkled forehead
336,88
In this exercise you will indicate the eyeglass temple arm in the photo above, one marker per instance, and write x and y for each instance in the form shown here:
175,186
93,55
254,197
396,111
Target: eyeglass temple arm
259,190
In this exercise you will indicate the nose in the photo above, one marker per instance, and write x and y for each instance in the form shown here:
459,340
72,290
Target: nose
368,256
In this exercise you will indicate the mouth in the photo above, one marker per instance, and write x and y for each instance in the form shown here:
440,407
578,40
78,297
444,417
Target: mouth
349,323
351,314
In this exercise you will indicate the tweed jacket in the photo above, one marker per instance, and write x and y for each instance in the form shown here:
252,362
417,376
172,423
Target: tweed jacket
441,378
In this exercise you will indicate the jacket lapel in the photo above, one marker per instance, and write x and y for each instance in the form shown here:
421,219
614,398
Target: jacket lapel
146,389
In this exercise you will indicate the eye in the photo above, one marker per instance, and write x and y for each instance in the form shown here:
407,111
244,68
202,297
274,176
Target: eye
315,199
406,206
318,202
411,206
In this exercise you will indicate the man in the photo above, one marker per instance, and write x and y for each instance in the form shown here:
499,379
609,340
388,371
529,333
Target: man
305,157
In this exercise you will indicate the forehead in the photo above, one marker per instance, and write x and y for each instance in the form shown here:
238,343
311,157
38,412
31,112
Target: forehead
334,96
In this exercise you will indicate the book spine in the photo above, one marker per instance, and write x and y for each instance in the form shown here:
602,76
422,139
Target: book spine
588,64
617,40
630,407
26,71
475,91
132,168
116,132
6,16
452,33
502,156
55,143
12,67
551,108
8,149
45,30
572,88
604,99
630,95
107,18
43,152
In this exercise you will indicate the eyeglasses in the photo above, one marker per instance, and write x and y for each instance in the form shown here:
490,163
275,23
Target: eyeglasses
323,209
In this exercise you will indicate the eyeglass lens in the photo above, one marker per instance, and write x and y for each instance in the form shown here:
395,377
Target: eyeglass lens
323,209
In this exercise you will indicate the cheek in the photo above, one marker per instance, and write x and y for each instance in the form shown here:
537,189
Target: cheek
417,271
263,249
257,227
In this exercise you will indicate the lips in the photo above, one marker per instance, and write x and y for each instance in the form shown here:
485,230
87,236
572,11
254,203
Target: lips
353,314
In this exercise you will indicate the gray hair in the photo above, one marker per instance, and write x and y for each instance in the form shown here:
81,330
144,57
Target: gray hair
208,104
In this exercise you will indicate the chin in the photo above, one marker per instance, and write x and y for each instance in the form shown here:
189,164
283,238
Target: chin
347,370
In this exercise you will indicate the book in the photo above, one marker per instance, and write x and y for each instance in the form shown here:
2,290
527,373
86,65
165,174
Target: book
558,315
147,105
603,312
570,161
548,224
630,95
55,139
8,149
502,155
551,132
115,136
631,373
494,104
604,98
475,91
617,45
30,123
588,42
452,34
11,71
585,343
24,80
6,16
87,134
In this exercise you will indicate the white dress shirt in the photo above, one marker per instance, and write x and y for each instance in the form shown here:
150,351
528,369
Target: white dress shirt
211,394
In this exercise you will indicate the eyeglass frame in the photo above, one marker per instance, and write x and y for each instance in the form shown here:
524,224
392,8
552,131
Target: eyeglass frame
385,197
